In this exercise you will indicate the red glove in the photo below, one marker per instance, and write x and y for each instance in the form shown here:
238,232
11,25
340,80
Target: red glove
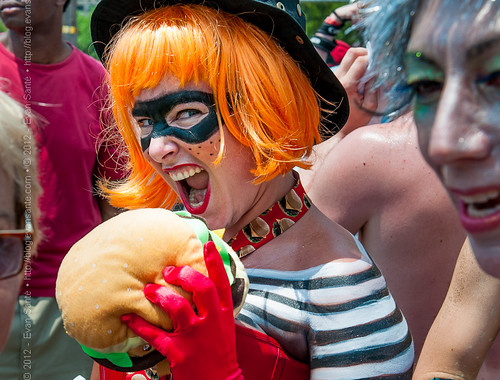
339,51
202,345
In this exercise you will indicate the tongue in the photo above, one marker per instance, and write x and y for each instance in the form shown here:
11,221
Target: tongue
199,181
196,197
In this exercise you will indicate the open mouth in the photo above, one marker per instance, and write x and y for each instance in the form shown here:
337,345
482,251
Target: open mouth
480,213
482,205
193,187
11,5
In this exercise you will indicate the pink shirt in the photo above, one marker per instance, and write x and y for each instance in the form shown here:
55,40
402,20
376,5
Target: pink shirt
68,99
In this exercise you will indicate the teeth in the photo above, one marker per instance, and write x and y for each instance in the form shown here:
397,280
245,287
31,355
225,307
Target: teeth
183,174
481,213
484,197
482,205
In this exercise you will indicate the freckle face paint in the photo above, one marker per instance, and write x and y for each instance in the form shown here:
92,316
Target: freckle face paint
158,109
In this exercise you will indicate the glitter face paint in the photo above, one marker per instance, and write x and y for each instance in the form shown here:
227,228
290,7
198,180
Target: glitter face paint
189,116
454,74
426,81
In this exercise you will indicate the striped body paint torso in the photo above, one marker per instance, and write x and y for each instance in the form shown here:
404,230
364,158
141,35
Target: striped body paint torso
339,317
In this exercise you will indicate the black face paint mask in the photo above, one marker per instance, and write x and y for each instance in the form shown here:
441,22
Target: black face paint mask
157,111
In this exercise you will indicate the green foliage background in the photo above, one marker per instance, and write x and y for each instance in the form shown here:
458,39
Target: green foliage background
84,39
317,11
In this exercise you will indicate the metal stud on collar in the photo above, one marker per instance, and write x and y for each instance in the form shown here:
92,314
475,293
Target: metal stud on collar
280,5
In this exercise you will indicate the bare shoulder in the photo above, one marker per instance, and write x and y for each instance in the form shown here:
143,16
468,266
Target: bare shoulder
369,169
312,241
371,156
379,146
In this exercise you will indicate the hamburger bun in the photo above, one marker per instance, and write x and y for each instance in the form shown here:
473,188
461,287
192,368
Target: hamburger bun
103,276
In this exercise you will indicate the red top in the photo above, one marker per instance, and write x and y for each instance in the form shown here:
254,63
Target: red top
67,99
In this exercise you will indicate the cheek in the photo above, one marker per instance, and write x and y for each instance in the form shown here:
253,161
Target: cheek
207,150
424,116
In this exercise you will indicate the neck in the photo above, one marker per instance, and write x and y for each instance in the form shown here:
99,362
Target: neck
43,45
270,192
275,220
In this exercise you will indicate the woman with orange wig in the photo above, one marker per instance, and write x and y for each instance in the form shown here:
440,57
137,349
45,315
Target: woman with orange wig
217,102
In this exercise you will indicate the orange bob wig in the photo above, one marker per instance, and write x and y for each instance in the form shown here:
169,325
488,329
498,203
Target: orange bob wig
262,96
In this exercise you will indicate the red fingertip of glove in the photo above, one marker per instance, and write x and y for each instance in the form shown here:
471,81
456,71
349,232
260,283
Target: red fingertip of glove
339,51
332,21
168,271
151,292
126,318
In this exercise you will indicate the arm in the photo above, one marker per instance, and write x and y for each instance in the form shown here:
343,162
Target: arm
351,179
337,18
325,40
348,12
466,325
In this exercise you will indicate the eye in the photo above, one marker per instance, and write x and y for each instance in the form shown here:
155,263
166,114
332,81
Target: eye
425,77
492,79
187,115
426,90
145,126
489,85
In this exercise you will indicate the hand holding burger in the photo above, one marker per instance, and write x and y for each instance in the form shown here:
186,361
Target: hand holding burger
105,275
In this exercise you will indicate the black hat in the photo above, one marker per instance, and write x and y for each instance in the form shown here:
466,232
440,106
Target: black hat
282,19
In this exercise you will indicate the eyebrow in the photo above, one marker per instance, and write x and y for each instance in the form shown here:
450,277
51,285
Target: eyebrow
418,56
471,53
142,108
183,96
481,47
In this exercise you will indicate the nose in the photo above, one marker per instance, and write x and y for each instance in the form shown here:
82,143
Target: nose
459,132
162,148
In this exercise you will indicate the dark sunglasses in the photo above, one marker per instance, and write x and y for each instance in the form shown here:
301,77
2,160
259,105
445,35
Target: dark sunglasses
13,245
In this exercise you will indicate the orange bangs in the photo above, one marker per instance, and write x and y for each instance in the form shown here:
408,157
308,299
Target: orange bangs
263,97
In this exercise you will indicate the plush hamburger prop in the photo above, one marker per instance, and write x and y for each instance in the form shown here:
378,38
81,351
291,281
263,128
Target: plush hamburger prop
103,276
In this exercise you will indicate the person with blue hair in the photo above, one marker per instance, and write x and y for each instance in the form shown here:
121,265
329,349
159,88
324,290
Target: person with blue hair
442,58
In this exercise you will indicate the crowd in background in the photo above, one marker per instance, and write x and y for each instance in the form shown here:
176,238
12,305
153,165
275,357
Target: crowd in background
389,140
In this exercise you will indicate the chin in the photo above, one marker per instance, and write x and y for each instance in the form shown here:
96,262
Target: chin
213,221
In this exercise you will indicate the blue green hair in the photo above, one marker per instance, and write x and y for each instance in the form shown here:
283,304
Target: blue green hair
387,25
